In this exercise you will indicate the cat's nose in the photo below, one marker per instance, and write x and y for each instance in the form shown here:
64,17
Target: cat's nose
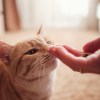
46,47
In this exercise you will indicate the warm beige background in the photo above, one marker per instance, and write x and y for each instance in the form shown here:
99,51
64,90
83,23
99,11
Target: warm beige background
37,12
69,85
1,17
26,14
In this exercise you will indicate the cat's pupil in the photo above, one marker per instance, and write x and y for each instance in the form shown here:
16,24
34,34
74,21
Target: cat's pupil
32,51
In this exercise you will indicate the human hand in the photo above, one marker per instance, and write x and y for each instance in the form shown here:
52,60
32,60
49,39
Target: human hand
92,46
73,58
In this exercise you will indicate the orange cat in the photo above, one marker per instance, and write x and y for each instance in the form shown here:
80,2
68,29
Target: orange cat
27,70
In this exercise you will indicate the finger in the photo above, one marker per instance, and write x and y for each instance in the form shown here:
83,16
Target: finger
62,53
92,46
51,49
68,48
79,64
69,59
93,63
73,51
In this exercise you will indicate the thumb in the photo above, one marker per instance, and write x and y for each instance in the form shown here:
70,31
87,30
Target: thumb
92,46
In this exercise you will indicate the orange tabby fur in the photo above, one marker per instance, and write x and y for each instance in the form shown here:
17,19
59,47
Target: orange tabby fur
27,70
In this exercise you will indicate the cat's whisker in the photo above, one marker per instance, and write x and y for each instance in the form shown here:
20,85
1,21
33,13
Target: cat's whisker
43,69
39,80
41,59
35,67
32,69
45,59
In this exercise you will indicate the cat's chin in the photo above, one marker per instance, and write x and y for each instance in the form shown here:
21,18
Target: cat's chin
50,66
53,64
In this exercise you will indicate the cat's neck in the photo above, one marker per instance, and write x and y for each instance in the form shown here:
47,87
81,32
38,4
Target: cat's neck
36,84
41,87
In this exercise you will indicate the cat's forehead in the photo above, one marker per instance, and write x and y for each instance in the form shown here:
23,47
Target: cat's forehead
40,40
35,41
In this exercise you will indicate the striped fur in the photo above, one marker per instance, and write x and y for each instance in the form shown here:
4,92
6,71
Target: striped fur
27,73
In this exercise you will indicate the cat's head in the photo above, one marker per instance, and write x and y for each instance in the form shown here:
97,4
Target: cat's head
30,58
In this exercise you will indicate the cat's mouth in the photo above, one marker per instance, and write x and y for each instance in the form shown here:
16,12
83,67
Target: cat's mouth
48,59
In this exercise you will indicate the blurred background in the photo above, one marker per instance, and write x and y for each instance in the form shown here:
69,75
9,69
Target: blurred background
72,22
70,14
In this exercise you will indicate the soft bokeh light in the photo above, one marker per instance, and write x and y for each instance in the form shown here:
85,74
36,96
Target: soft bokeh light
70,8
53,13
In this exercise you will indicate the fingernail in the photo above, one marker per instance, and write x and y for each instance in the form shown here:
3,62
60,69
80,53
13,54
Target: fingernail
51,48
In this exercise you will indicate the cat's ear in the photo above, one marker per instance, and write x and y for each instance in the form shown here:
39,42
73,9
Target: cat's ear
40,31
4,50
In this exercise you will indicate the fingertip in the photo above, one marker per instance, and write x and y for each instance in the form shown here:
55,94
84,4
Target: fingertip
51,48
54,47
59,48
60,52
92,46
89,48
85,48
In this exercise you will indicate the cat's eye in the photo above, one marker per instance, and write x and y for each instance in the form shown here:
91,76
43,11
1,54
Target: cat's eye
32,51
48,42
